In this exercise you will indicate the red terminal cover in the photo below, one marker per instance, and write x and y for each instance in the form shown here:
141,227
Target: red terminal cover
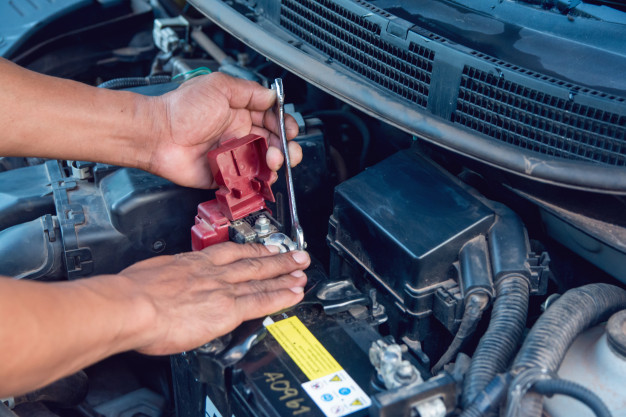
241,172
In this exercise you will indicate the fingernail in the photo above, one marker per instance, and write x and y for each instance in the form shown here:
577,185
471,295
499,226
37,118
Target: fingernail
297,290
300,257
273,249
297,274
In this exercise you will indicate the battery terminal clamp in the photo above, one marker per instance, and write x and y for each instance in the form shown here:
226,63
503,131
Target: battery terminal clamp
239,212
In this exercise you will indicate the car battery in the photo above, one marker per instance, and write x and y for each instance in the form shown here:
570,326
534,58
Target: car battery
321,358
300,362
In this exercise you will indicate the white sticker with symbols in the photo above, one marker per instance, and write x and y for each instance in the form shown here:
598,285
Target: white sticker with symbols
210,410
337,394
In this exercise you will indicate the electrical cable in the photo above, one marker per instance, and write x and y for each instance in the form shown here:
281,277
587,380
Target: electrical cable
549,339
121,83
193,73
550,387
474,307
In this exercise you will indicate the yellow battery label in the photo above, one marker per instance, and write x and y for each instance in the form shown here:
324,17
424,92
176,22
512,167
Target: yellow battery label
303,348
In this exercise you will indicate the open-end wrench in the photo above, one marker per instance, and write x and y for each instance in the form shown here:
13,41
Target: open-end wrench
297,235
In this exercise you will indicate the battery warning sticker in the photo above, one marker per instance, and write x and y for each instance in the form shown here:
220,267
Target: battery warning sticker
305,350
330,387
337,394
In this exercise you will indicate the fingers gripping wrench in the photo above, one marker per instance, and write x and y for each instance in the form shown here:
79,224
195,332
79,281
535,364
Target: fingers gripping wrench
297,235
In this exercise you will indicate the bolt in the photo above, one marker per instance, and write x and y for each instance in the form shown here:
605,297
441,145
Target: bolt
158,246
405,371
262,225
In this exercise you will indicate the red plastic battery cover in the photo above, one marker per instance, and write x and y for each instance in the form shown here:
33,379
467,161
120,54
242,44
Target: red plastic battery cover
241,172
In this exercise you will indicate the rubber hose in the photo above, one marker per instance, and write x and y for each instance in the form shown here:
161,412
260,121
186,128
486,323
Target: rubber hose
488,398
211,47
120,83
500,341
357,123
556,329
549,387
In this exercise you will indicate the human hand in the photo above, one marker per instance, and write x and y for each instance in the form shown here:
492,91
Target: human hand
199,296
206,111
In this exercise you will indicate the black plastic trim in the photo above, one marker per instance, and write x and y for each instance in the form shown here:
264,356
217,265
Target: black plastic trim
572,174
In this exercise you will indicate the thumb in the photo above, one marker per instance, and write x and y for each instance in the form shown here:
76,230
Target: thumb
245,94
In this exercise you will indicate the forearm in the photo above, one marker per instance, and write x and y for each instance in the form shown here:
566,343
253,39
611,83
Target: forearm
51,330
159,306
55,118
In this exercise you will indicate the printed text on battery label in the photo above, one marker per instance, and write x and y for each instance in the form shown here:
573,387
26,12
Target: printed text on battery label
303,348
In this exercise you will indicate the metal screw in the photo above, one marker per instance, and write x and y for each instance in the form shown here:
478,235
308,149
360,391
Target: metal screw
158,246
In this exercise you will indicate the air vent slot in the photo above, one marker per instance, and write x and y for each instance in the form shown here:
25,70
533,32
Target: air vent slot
538,121
355,42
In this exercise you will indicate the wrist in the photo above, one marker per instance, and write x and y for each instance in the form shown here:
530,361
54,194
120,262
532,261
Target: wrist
142,326
146,129
132,316
123,130
153,114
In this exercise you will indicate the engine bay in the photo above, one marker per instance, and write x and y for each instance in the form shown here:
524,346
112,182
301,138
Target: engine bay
441,283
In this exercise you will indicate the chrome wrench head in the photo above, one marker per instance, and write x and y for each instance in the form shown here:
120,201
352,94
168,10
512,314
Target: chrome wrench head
297,235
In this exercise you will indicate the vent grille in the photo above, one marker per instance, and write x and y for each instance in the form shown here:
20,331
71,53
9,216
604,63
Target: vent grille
543,77
355,43
538,121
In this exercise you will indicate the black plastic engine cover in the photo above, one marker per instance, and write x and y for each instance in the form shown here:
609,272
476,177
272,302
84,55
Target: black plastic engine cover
93,226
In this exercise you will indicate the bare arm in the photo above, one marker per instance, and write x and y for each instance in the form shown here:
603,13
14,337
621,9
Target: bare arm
56,118
159,306
164,304
168,135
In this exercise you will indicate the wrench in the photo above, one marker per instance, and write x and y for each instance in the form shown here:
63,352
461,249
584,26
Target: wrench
297,235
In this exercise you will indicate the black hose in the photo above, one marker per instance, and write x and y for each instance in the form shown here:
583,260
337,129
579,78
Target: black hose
474,307
548,340
549,387
489,398
357,123
508,248
500,341
121,83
